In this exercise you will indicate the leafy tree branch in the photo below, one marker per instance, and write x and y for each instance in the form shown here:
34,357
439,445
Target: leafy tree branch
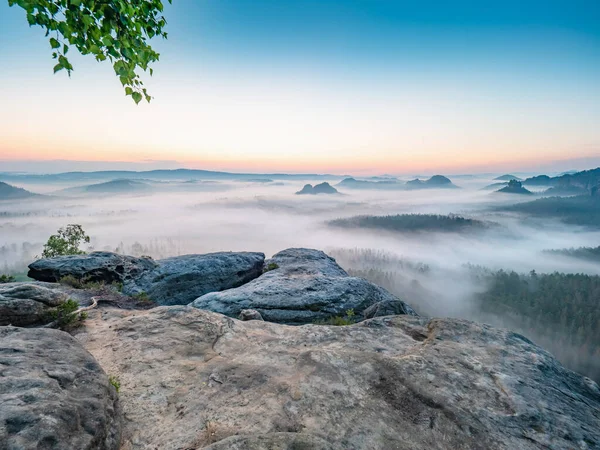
113,30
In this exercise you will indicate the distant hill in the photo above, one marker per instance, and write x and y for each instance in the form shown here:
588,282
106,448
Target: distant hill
436,181
167,175
121,186
515,187
584,180
579,210
494,186
563,191
507,178
323,188
8,192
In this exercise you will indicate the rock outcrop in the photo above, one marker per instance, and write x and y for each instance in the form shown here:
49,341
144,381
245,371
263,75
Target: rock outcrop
180,280
193,379
305,286
172,281
53,394
96,266
515,187
24,304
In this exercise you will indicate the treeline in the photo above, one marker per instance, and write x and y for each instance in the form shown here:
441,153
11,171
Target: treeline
562,310
587,253
412,223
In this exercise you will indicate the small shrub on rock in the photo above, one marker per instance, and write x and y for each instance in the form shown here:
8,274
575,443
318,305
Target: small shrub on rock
348,319
7,279
114,380
270,266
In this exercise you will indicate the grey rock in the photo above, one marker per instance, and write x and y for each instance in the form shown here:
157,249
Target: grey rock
96,266
250,314
53,393
23,304
396,382
387,308
306,286
180,280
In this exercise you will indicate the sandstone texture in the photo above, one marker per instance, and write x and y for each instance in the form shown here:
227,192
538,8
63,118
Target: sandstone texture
24,304
96,266
53,394
194,379
180,280
303,286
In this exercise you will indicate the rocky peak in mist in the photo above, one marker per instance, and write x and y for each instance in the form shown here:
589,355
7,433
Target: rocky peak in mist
515,187
322,188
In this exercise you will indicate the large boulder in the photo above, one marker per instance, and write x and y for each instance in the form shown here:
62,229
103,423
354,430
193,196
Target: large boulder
180,280
53,394
96,266
192,379
23,304
303,286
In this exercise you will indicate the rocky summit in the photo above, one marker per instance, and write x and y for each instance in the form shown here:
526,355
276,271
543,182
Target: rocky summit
302,286
195,377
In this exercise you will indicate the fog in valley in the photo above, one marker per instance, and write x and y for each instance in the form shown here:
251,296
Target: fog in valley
439,273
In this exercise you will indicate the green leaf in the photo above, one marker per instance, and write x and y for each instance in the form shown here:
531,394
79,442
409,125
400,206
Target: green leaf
54,43
58,67
137,97
128,91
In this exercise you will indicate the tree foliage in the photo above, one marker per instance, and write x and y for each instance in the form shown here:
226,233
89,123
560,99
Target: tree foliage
66,242
113,30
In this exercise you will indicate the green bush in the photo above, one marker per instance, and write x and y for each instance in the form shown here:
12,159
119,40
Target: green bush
142,297
270,266
7,279
64,314
112,379
348,319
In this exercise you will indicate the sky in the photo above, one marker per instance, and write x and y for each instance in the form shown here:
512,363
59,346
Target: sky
347,87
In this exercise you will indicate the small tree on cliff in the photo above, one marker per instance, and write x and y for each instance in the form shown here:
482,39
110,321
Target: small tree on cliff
66,241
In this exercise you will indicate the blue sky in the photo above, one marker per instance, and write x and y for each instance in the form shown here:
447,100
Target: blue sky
324,85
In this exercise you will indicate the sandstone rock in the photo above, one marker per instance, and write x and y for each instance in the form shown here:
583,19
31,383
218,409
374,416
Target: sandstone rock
180,280
23,304
305,286
250,314
278,441
195,379
53,394
96,266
